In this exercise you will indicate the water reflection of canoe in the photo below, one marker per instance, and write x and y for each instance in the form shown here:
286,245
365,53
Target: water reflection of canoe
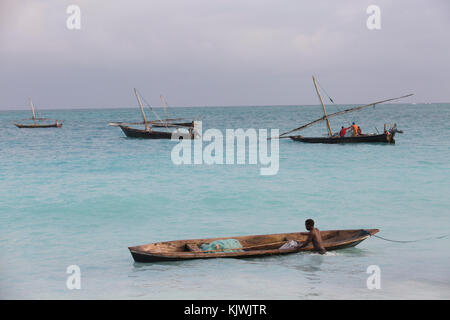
252,246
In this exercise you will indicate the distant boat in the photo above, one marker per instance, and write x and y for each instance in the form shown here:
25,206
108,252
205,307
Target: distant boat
39,122
252,246
386,137
149,133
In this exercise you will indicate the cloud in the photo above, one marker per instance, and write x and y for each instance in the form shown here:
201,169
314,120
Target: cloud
263,52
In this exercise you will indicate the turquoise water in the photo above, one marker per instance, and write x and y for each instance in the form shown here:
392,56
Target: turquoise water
82,194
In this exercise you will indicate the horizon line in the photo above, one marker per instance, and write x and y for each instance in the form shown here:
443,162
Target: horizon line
22,108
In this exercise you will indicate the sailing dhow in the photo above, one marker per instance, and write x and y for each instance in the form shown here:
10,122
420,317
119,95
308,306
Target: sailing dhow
386,137
148,132
39,122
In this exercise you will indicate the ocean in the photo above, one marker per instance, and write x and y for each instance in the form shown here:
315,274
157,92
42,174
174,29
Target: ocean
82,194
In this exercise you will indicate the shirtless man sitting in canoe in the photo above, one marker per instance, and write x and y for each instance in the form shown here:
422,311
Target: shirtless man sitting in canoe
314,237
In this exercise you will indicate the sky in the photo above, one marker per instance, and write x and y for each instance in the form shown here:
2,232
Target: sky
221,52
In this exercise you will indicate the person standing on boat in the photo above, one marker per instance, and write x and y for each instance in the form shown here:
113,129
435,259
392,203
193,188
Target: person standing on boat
314,237
343,131
354,129
359,131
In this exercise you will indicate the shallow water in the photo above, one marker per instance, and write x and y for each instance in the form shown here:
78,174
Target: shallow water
82,194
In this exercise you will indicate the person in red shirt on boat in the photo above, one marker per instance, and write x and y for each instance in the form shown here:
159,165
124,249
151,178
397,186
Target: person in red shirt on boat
314,237
343,131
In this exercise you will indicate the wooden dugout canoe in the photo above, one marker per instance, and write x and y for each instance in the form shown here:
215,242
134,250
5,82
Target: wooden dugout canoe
253,246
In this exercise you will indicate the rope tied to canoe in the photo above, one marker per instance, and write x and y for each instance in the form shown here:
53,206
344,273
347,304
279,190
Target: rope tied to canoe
408,241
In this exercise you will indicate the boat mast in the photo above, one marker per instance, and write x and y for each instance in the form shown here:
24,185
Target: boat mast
323,107
164,105
142,109
32,109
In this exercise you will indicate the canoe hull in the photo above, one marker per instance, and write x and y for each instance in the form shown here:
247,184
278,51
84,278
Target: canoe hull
144,134
179,124
31,126
156,252
376,138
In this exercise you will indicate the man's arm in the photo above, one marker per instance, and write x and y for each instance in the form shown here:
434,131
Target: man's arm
308,240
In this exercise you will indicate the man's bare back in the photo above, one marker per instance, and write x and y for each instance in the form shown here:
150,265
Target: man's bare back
314,237
317,240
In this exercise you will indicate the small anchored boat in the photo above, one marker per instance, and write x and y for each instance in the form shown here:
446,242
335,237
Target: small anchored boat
39,122
332,138
252,246
149,133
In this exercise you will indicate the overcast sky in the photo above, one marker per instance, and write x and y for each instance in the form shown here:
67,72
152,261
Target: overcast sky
221,52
